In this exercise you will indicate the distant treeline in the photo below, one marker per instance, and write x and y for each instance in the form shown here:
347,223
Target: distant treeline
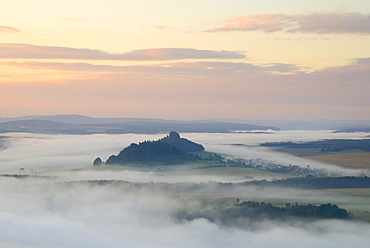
257,211
2,142
22,176
316,183
353,130
297,182
333,145
213,187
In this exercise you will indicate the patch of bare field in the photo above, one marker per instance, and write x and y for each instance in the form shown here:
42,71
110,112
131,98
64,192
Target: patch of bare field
357,160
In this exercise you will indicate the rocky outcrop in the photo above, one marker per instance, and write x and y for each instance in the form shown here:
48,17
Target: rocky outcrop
175,140
97,161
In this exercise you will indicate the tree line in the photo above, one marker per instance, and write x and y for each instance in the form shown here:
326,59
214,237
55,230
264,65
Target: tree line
325,146
257,211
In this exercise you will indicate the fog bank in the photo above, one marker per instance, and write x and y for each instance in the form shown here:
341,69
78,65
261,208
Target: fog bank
58,208
37,151
39,213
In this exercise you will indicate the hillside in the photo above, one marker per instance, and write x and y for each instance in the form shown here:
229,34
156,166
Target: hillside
169,150
149,152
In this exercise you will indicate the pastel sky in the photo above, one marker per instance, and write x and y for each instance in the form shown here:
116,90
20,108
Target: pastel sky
177,59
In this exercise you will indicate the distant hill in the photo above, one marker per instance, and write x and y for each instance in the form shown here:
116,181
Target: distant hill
159,151
320,124
28,124
32,126
78,124
353,130
181,126
151,125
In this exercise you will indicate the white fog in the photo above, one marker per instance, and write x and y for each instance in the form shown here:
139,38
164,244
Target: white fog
58,208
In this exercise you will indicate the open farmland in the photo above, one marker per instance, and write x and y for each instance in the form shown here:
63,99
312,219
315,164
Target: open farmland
353,160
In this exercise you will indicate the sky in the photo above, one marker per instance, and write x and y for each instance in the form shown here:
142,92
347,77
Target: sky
186,60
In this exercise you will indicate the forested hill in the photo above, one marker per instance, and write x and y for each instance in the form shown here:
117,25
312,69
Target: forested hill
169,150
151,152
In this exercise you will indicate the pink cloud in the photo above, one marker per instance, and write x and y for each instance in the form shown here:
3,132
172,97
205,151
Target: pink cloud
319,23
332,23
183,53
7,29
208,88
28,51
265,22
161,27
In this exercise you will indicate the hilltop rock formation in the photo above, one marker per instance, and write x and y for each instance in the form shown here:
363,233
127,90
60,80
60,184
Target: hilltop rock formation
175,140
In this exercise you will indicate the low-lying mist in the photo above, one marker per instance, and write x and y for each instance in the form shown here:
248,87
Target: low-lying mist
66,202
37,212
37,151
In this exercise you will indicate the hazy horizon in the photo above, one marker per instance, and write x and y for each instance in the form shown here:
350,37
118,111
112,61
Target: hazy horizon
101,116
